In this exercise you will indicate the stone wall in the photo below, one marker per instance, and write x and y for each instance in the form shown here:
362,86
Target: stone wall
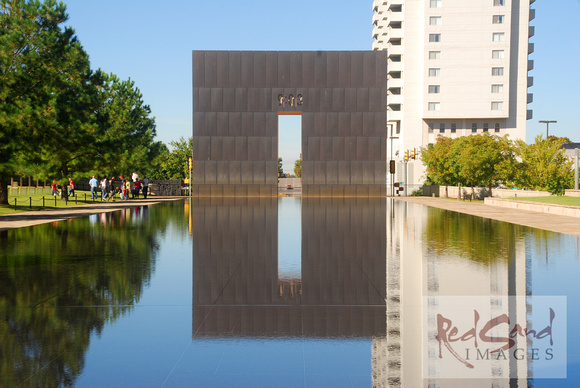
165,188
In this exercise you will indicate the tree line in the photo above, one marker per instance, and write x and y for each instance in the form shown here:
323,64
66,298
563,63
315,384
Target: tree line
487,160
59,118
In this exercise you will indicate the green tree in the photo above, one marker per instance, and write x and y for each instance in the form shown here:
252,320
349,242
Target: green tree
280,169
173,164
127,130
69,142
34,54
485,159
59,119
544,165
440,162
298,167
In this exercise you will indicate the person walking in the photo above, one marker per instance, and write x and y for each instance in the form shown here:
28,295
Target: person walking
123,191
111,188
137,186
145,187
54,188
127,188
104,189
71,183
93,183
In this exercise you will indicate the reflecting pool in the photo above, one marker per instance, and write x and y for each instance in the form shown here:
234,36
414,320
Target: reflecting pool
223,292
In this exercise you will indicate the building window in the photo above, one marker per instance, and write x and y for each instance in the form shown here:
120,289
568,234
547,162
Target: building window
497,54
434,106
431,126
434,72
434,37
453,128
435,21
434,88
497,71
497,105
473,127
498,19
435,3
498,2
497,127
498,36
442,128
434,54
498,88
485,127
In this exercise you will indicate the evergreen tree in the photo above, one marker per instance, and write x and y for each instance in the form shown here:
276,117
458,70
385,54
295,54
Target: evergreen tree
34,53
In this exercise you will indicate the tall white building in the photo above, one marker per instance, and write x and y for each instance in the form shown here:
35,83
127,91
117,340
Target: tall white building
456,68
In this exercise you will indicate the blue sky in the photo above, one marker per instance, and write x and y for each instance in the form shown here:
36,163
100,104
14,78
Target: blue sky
151,43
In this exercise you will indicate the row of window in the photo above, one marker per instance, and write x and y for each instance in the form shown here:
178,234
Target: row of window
474,127
435,106
436,71
437,20
495,54
495,37
439,3
434,89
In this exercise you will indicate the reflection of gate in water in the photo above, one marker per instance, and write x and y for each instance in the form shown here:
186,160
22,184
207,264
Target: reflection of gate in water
236,288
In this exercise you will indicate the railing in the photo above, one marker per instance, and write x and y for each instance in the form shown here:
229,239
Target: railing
45,201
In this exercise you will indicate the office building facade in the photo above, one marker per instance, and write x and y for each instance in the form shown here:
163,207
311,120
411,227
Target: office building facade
455,68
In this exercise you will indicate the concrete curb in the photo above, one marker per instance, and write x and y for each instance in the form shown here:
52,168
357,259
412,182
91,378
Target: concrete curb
549,208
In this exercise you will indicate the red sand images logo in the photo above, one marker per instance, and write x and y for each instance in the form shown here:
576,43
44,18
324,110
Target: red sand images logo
448,335
494,336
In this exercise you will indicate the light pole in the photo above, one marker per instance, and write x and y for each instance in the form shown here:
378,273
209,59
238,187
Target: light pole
547,122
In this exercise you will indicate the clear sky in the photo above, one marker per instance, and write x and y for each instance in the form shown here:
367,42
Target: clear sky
151,43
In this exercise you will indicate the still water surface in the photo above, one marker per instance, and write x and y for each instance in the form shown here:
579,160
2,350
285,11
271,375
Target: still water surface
271,292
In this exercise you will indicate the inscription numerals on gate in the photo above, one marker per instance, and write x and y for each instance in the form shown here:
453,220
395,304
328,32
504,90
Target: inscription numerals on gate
290,100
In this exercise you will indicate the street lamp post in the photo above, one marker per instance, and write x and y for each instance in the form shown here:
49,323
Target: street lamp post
547,122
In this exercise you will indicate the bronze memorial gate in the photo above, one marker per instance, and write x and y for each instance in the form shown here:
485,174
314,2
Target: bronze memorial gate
238,95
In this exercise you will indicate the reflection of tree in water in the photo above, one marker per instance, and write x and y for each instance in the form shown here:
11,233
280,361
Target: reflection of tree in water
51,274
480,239
475,238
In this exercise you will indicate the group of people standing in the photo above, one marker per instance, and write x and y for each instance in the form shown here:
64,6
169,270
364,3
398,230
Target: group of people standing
123,186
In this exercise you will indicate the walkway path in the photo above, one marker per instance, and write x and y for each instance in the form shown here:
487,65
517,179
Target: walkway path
554,223
24,219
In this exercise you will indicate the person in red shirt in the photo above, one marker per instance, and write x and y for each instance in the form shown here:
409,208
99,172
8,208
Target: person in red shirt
71,183
137,188
54,188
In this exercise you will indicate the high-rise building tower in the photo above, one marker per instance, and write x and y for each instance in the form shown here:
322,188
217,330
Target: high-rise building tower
455,68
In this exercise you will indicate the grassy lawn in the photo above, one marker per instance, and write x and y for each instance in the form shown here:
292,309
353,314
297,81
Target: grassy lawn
23,202
563,200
